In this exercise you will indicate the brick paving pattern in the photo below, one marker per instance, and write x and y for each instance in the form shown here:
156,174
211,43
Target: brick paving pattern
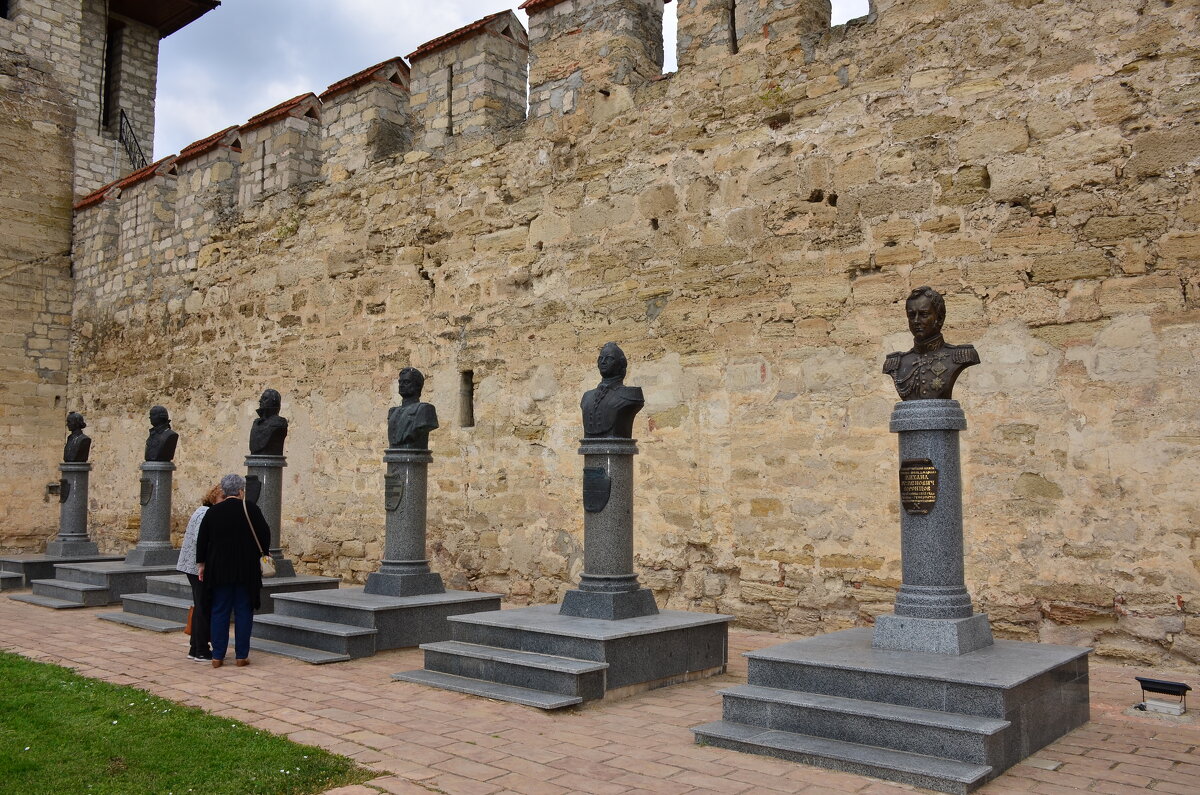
423,740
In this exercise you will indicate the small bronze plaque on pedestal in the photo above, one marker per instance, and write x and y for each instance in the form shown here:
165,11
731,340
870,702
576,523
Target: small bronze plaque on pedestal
147,490
918,485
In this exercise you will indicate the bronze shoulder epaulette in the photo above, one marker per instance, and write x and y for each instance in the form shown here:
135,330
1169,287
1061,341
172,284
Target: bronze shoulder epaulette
892,363
965,354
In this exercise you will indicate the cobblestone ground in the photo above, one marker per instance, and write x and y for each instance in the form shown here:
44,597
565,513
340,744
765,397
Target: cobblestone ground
423,740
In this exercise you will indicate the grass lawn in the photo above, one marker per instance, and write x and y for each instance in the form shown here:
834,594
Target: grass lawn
61,733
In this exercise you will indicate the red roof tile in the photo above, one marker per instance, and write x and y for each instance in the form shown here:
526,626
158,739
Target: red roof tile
454,36
360,78
141,175
277,112
203,146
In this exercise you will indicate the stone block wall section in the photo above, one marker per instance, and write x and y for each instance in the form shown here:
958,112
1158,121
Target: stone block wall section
36,123
364,119
747,229
599,44
471,80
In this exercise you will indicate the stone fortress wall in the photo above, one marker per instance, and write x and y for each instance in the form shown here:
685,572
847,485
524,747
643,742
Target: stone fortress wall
53,147
747,228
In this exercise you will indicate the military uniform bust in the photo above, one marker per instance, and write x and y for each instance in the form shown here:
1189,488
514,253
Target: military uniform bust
78,444
609,409
269,429
409,423
160,444
929,370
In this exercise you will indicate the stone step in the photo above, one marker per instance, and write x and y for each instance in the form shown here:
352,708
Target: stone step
174,585
165,608
302,653
547,673
919,770
966,738
11,581
342,639
46,601
83,594
494,690
142,621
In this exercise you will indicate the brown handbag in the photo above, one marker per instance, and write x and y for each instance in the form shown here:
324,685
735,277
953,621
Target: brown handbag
187,628
266,563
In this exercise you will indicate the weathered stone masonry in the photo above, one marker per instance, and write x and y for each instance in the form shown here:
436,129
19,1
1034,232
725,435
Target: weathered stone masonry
747,228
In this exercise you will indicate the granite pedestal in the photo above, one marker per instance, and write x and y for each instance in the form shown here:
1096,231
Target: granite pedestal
164,605
403,604
925,697
608,638
107,582
71,545
949,722
154,536
267,470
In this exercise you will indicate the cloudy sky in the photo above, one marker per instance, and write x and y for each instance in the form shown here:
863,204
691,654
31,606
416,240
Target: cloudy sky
251,54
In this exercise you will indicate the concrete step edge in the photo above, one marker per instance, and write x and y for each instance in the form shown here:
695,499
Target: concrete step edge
881,710
493,690
528,659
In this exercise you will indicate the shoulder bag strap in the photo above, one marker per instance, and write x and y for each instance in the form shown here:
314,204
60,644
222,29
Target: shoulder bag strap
250,524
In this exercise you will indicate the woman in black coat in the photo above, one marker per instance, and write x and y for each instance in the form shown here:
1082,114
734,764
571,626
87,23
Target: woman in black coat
227,549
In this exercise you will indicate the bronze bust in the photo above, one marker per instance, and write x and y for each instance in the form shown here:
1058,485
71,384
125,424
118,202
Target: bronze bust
78,443
161,442
269,429
609,409
409,423
929,370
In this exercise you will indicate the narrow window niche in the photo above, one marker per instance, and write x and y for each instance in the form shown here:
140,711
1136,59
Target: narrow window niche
466,399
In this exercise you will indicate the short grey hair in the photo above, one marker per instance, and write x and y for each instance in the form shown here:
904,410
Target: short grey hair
232,484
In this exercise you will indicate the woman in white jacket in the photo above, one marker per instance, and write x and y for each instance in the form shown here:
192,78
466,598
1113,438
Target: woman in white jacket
198,649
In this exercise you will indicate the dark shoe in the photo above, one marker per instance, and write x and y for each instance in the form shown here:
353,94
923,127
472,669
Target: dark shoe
218,663
242,662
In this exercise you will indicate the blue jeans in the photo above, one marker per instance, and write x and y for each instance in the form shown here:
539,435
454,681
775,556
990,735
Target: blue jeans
234,599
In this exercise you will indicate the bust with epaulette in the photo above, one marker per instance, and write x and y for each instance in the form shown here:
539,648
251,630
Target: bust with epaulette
929,370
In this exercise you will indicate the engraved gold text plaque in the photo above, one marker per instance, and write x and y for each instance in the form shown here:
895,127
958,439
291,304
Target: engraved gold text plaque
918,485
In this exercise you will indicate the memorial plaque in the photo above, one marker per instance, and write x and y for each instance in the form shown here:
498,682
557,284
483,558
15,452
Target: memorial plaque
596,488
64,490
147,490
918,485
393,494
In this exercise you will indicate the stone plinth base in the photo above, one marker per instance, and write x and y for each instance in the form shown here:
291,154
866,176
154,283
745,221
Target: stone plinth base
164,605
334,626
539,657
384,584
944,722
90,584
152,556
41,567
932,635
609,606
72,549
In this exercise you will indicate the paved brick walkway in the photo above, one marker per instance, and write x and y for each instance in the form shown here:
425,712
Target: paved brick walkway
423,740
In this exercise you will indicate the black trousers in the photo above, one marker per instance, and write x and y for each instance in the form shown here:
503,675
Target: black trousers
201,617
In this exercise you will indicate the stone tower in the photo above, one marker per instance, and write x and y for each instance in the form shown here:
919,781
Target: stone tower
76,112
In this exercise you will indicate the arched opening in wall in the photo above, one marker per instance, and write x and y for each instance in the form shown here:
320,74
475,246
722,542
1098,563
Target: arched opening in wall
3,9
845,10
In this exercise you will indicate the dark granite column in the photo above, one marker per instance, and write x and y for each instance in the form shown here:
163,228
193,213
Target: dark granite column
268,471
405,569
933,611
72,536
609,587
154,539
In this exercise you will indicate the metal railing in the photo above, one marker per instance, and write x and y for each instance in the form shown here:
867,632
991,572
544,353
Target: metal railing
128,139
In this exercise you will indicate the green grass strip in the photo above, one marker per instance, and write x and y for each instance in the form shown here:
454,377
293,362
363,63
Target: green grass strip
63,733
